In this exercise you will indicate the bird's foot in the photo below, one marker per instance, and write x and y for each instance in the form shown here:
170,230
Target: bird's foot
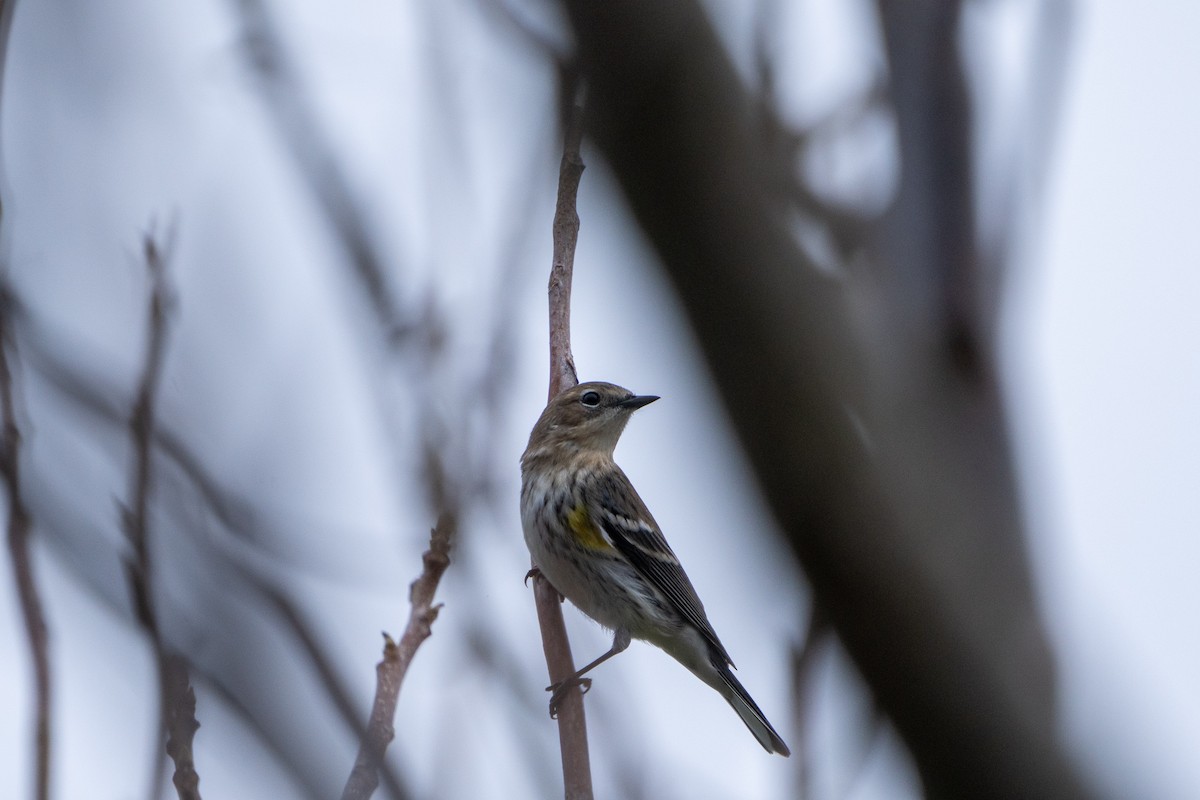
537,573
561,689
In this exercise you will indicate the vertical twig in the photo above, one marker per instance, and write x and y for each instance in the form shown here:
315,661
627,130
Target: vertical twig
6,18
18,515
390,672
565,234
309,143
572,724
804,663
181,727
22,565
177,703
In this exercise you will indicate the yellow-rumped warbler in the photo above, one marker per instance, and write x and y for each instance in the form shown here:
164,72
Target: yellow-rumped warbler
593,538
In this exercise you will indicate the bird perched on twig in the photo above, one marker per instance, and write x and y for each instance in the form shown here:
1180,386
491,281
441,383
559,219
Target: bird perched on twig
593,538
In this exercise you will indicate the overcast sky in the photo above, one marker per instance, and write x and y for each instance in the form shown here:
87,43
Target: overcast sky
1106,324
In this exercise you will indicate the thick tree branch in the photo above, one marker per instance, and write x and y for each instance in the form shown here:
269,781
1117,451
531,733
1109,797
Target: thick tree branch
572,724
390,672
892,526
943,406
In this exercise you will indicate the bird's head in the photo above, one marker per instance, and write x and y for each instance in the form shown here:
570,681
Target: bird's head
589,417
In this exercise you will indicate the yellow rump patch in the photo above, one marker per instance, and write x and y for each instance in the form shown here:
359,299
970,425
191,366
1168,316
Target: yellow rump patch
586,532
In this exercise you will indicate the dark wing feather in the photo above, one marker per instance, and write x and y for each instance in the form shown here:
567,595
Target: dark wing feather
638,538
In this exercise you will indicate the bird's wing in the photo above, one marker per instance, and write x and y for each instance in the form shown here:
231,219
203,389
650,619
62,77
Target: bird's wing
635,534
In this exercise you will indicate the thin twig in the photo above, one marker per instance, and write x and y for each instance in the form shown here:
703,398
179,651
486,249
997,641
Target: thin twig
302,131
18,514
177,702
141,426
572,724
181,727
397,657
306,636
141,430
235,513
6,18
565,235
22,565
804,663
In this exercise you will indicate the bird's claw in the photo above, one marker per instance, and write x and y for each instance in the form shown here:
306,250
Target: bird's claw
560,690
537,573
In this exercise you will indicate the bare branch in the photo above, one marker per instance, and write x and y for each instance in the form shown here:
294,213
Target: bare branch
19,524
6,19
932,222
181,727
565,235
234,512
572,724
910,537
141,430
302,131
397,657
303,631
22,565
177,702
804,662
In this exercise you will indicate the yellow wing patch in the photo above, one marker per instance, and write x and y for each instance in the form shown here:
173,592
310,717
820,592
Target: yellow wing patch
586,532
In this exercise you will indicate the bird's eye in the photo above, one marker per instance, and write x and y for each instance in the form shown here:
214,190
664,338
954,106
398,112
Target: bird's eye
590,399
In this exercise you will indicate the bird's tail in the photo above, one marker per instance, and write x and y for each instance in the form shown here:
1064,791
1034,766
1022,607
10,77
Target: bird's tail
737,696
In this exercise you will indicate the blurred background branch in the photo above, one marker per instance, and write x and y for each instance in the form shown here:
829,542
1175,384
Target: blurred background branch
304,133
397,657
33,613
909,530
181,728
176,702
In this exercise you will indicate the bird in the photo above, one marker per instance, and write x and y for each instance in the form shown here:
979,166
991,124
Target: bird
592,537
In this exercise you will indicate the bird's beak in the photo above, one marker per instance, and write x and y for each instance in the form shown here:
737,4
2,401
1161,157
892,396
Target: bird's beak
637,401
